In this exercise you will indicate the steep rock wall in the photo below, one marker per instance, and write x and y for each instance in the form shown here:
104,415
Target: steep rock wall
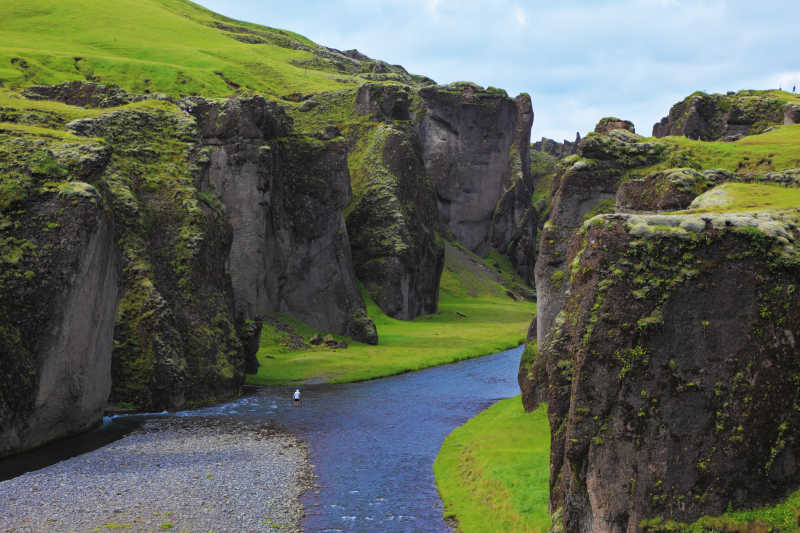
515,220
283,195
467,136
398,253
671,370
59,273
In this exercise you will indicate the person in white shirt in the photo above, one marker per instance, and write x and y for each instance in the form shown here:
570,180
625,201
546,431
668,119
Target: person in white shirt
296,397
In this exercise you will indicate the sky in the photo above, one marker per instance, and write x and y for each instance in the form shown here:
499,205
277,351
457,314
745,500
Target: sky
580,60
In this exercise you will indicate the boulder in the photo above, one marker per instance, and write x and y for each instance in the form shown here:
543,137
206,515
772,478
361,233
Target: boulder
711,117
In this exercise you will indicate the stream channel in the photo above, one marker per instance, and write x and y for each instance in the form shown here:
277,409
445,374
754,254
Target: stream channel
372,443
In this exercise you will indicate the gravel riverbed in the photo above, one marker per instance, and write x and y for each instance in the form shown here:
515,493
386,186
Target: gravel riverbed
175,474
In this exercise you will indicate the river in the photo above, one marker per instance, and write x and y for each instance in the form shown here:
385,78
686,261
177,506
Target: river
373,443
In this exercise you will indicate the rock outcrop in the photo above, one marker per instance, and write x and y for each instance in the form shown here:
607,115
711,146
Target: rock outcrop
467,135
450,160
515,220
83,94
580,186
283,195
791,114
671,370
59,274
670,189
711,117
393,224
558,149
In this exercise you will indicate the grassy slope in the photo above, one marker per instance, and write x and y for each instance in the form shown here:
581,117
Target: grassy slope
475,318
778,149
493,472
170,46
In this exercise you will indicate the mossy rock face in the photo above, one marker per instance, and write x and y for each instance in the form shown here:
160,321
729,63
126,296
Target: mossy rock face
671,373
284,194
83,94
58,292
667,190
175,339
397,251
711,117
384,102
608,124
516,219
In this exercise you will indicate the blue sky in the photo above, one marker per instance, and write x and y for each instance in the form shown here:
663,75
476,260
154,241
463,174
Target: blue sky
579,60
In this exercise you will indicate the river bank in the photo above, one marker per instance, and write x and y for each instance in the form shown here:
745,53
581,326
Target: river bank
181,474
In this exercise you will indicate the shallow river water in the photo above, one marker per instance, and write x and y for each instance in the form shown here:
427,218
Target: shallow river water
373,443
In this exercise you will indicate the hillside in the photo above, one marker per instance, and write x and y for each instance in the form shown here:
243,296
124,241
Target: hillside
173,47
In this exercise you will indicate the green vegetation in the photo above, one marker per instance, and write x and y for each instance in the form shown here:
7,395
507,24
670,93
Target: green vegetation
493,472
462,328
777,149
784,517
747,197
169,46
475,318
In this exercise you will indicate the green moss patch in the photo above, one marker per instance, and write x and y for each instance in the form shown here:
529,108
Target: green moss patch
493,472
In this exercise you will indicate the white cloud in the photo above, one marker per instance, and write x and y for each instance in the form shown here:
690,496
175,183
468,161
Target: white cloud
520,17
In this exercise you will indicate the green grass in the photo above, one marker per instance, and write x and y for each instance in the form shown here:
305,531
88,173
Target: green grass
493,472
488,325
778,149
748,197
170,46
782,517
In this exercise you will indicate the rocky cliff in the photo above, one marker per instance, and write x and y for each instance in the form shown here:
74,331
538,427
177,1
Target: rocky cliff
467,136
670,370
712,117
423,167
557,149
59,276
664,340
283,196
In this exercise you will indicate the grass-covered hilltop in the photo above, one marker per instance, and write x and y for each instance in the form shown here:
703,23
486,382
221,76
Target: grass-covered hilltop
665,353
186,198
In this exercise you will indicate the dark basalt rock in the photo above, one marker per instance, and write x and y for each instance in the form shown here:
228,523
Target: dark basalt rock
664,190
397,251
467,135
670,371
83,94
558,149
711,117
283,196
384,102
515,221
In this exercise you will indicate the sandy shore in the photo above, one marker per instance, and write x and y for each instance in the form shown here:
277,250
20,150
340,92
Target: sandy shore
177,474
